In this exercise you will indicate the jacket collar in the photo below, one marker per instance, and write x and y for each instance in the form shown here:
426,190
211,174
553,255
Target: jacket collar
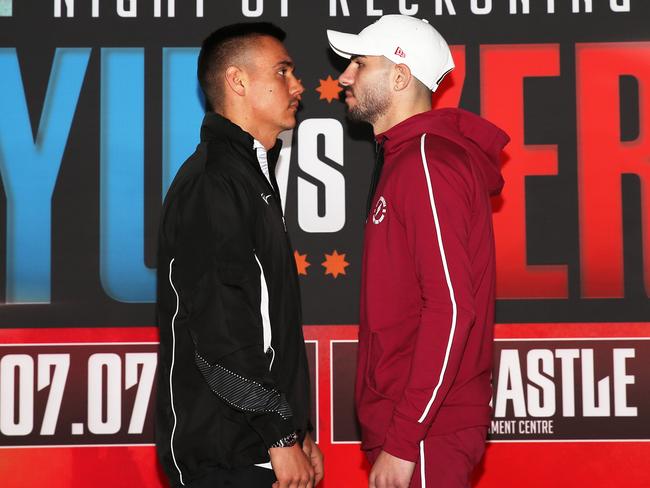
404,130
215,128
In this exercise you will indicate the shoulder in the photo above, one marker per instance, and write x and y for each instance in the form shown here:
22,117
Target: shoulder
434,157
199,184
444,156
187,178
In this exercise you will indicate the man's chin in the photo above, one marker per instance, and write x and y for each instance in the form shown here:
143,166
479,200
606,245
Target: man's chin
356,116
289,124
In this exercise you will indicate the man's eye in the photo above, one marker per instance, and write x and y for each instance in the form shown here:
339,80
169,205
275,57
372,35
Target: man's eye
283,71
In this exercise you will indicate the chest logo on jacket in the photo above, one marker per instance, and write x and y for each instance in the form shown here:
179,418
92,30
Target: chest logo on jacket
266,197
379,212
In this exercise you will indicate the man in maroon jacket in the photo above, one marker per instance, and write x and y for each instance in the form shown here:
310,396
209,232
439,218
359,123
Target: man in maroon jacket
427,299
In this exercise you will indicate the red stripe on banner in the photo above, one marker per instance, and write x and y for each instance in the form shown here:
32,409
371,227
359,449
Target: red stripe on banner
322,332
572,330
327,332
78,334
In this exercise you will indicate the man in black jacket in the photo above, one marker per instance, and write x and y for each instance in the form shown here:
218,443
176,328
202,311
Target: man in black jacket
233,389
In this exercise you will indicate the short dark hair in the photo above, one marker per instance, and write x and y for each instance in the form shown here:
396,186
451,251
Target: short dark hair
220,48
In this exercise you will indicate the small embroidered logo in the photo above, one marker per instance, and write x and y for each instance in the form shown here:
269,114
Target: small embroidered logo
380,211
399,52
266,197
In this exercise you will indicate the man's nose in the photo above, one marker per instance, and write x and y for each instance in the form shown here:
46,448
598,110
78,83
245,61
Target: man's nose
347,77
297,88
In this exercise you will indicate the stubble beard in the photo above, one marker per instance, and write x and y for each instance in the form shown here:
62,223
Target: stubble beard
371,104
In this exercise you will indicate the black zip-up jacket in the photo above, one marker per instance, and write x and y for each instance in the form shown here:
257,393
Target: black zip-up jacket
233,376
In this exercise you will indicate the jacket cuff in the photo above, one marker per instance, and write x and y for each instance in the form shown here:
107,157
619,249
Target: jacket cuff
271,428
403,438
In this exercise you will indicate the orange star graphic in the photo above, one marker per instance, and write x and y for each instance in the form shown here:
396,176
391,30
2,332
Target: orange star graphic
329,89
301,262
335,264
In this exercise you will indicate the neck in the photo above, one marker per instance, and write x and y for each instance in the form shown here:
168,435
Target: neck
401,109
264,135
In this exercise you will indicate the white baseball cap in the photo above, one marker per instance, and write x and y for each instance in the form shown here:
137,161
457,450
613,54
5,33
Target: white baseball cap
403,40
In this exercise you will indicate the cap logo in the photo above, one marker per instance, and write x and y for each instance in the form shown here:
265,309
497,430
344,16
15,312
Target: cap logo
399,52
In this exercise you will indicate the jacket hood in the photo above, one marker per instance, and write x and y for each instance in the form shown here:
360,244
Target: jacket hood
475,134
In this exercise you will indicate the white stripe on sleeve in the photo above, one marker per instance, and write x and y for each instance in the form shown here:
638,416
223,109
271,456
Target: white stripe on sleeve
447,277
171,372
264,311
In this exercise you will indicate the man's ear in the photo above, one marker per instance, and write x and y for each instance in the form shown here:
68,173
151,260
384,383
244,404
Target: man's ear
402,77
236,80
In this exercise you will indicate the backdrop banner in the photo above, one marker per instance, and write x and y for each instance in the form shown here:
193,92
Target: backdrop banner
99,106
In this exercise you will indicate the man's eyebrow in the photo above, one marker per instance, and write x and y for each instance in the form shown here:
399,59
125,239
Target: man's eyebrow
357,56
284,63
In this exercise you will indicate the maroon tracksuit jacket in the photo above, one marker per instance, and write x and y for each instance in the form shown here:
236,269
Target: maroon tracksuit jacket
427,293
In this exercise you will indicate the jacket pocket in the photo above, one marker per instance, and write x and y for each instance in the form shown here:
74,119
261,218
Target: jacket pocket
240,304
374,358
